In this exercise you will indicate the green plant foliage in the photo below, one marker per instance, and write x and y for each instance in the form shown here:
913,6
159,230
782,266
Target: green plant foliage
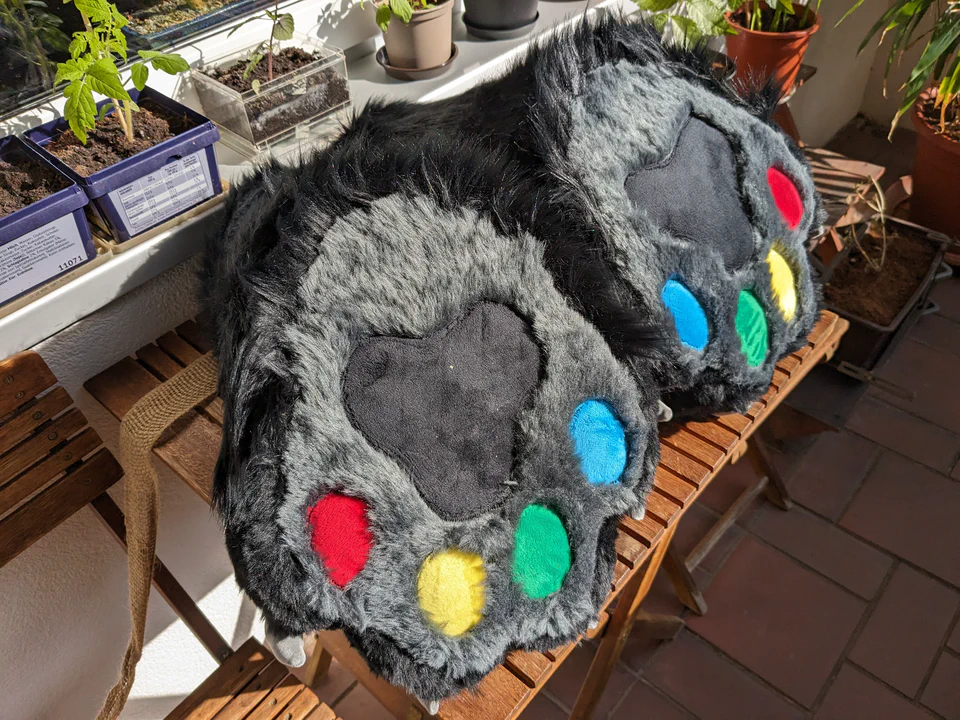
281,28
92,68
689,20
939,63
36,32
403,9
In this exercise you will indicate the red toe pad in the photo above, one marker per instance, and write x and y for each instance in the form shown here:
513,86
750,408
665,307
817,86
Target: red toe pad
786,196
341,535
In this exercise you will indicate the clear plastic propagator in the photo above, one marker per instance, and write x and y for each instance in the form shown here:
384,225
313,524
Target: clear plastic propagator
305,103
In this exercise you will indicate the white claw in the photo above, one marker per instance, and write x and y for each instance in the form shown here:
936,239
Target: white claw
289,650
639,514
432,707
593,624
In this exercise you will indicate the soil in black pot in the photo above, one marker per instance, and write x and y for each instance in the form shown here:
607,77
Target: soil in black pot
278,110
859,289
107,144
24,182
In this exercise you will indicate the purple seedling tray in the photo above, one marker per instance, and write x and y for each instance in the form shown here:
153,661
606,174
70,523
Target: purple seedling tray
44,240
154,185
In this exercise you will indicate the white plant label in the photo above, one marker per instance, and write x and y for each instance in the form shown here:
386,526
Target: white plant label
164,193
40,255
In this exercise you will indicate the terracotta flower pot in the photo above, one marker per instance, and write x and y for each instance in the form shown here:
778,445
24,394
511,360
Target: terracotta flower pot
424,42
761,55
936,177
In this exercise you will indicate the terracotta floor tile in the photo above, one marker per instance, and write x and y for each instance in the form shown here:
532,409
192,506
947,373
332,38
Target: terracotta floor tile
662,598
727,485
954,642
856,696
830,473
694,524
541,708
826,548
939,332
926,372
334,683
643,702
904,633
911,512
566,681
783,622
359,703
942,693
698,677
912,436
947,295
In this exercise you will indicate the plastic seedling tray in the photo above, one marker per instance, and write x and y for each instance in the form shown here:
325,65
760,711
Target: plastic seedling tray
156,184
297,105
44,240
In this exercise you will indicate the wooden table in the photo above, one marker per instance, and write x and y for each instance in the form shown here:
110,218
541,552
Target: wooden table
691,455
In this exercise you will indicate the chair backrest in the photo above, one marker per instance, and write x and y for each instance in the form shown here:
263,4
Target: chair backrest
51,462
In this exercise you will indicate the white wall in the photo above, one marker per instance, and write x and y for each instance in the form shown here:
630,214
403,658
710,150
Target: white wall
834,95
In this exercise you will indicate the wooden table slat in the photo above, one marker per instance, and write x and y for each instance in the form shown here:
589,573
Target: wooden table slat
528,665
629,549
499,696
693,447
195,335
216,691
22,377
647,530
254,692
32,416
673,486
678,463
178,348
158,362
34,448
660,507
715,433
28,523
273,706
47,469
735,423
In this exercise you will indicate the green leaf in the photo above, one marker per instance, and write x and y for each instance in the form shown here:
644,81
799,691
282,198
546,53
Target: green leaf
254,60
283,30
402,9
656,6
104,78
80,110
104,109
170,63
685,32
707,17
255,84
71,70
139,72
383,16
78,45
945,34
849,12
96,10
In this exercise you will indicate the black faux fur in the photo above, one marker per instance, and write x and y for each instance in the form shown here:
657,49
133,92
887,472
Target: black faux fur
483,150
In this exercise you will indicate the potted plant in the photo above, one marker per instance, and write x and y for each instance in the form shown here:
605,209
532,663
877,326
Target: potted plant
500,19
140,157
770,39
285,85
932,96
880,282
417,36
43,231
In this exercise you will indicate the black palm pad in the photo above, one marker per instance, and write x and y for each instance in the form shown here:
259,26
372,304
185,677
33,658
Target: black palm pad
445,406
693,193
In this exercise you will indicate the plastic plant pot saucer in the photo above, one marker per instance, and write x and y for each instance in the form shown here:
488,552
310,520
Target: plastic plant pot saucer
485,33
416,74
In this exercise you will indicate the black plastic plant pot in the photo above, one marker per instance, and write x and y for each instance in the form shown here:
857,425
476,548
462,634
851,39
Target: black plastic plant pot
867,344
45,239
500,19
156,184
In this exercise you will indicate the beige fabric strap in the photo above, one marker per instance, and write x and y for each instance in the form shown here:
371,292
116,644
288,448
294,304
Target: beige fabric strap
141,428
